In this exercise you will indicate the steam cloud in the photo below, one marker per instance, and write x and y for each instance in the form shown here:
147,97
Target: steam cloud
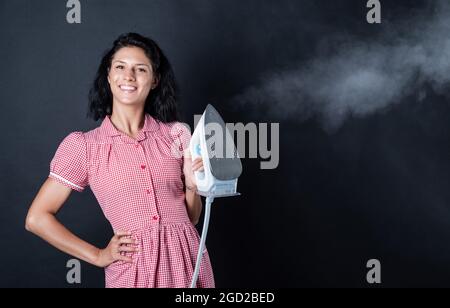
362,77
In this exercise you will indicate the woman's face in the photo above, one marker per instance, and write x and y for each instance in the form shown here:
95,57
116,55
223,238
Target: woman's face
131,76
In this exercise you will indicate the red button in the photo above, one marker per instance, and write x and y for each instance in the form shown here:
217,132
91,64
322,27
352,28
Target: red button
143,166
148,191
155,217
137,145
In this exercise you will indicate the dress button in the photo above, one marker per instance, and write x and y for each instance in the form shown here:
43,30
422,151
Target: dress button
143,166
155,217
148,191
136,145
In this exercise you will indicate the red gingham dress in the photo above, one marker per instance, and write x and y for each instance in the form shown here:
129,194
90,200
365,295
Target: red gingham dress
139,186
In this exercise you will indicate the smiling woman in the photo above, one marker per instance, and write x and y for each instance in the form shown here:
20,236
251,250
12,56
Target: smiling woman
126,161
135,61
131,76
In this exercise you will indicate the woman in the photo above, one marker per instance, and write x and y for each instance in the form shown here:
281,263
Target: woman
138,166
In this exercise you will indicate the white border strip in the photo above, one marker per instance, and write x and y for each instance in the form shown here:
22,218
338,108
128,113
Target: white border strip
66,181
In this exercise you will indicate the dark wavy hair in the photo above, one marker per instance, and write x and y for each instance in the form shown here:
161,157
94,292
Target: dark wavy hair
161,102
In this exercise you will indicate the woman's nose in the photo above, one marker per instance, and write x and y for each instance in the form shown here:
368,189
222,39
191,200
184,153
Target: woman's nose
129,75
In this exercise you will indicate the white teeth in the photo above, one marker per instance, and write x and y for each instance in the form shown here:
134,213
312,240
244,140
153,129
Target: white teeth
127,88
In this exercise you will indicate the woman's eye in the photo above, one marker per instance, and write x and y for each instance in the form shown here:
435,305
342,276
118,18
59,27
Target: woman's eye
142,70
119,66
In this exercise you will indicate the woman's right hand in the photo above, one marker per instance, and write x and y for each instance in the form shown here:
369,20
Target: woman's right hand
120,242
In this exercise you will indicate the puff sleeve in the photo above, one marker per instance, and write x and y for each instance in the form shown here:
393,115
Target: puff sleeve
69,165
181,134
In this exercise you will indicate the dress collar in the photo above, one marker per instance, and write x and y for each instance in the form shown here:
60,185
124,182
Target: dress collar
150,125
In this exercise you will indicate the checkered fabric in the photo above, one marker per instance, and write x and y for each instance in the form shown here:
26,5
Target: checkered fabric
139,186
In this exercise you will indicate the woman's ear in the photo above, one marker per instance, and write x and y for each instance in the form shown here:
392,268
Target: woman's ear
155,82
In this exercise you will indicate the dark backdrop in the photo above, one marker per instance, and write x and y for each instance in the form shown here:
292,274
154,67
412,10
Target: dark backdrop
375,186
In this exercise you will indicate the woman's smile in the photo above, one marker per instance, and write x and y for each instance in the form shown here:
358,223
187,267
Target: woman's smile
128,88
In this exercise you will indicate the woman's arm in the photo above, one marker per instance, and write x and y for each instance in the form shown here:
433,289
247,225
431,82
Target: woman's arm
41,220
194,205
193,200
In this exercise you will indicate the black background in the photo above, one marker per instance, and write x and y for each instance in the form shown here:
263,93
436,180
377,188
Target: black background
377,187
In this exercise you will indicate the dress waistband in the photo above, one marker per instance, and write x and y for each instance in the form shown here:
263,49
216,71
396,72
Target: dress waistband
154,225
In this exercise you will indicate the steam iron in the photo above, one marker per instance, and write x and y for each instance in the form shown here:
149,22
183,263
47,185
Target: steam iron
222,166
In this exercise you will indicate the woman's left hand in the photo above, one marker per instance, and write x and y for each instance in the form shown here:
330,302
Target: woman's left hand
189,168
197,164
